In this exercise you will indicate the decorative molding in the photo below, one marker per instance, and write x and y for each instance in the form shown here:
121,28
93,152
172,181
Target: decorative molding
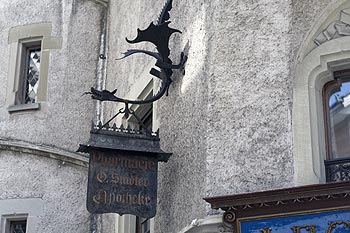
335,224
45,151
303,199
336,29
286,196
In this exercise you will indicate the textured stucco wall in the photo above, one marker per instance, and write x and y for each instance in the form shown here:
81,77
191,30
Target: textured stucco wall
228,120
61,187
249,139
181,180
64,119
183,119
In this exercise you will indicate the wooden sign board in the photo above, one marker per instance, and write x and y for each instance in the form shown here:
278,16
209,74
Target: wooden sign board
320,208
122,182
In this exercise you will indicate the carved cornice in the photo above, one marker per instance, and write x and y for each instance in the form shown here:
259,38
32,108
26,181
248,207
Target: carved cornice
336,29
290,200
45,151
281,196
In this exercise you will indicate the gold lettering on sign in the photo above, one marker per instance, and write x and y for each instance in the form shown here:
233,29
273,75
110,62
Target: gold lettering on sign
96,157
102,197
101,177
333,225
129,180
123,162
266,230
310,228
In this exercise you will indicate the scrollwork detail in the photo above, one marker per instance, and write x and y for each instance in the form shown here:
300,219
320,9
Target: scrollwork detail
333,225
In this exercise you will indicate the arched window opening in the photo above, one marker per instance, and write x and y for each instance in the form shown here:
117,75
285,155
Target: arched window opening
336,100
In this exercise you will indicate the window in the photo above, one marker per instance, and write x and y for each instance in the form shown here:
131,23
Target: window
15,223
18,226
145,112
29,76
143,225
30,47
21,215
336,95
320,57
130,223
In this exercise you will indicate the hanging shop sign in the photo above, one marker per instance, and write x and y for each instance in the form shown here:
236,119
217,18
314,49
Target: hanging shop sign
322,208
123,170
122,182
124,161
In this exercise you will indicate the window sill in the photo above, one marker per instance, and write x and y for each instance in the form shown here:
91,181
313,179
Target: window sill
23,107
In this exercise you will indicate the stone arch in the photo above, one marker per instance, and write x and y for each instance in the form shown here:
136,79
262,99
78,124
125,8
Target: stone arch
326,49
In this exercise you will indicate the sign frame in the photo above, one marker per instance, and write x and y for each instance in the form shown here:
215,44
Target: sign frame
281,202
122,182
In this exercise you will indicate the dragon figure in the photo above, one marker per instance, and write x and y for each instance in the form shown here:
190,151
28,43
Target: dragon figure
159,35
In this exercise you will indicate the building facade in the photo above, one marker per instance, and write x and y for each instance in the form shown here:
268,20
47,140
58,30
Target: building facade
261,106
49,60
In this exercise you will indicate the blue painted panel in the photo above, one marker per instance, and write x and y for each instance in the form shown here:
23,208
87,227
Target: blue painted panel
283,224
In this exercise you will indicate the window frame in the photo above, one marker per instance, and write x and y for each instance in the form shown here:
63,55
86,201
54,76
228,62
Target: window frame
12,221
20,37
328,90
142,90
145,113
308,118
27,46
314,65
336,168
140,222
9,219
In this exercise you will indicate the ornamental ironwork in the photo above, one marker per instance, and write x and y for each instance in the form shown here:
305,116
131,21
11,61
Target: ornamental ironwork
337,170
158,34
124,161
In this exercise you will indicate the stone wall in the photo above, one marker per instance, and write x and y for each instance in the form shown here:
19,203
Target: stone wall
228,121
64,118
37,158
61,187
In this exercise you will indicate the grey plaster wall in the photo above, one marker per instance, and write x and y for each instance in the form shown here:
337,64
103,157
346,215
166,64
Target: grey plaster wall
61,187
182,179
249,120
228,120
64,119
123,20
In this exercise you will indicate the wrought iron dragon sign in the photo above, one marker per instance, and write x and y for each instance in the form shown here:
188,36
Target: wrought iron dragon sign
159,35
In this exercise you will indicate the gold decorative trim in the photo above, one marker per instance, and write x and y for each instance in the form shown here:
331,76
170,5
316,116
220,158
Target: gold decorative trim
333,225
307,227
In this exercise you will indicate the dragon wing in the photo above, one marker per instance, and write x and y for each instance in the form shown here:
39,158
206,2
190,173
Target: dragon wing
158,35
